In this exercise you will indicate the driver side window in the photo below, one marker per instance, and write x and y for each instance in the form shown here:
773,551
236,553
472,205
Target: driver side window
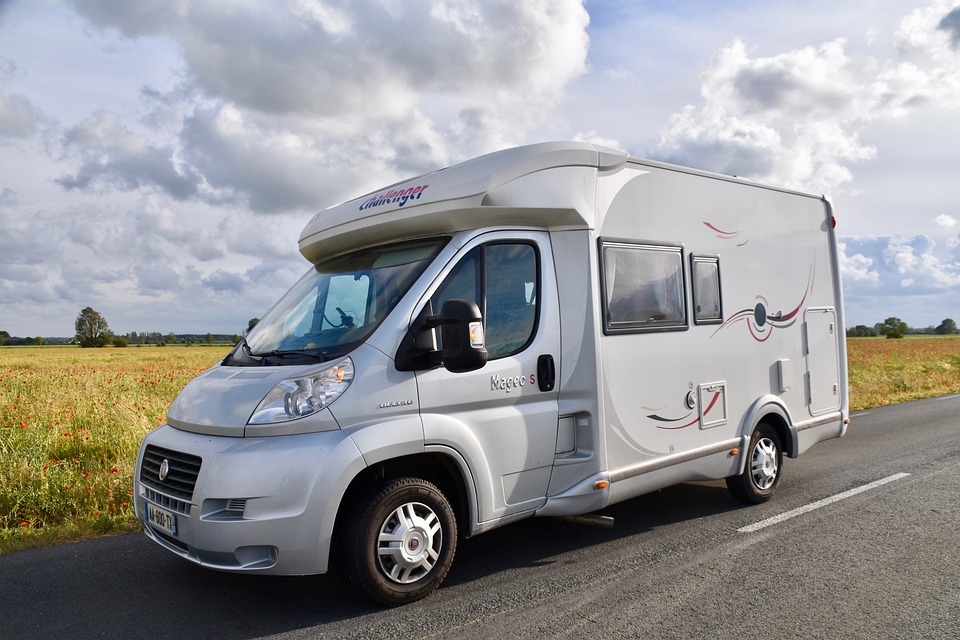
503,279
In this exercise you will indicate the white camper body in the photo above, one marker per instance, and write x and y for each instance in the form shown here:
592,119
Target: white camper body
542,331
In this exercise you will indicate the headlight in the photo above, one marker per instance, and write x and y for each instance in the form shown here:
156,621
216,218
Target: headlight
300,397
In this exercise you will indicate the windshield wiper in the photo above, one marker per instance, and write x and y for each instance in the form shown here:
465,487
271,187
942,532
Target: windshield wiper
318,357
249,358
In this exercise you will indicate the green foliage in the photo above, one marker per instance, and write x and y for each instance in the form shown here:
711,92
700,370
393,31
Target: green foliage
119,341
893,328
92,329
947,327
861,331
889,371
71,422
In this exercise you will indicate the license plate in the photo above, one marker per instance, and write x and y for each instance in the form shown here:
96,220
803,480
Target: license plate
162,519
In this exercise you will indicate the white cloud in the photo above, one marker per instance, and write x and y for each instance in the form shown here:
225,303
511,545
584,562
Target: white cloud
883,263
270,109
594,138
950,23
18,117
290,107
788,119
911,277
111,155
160,158
797,118
225,281
856,267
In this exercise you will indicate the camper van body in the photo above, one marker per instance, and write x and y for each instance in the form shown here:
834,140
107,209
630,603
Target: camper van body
645,325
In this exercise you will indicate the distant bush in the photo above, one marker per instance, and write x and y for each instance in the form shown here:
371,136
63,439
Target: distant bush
861,331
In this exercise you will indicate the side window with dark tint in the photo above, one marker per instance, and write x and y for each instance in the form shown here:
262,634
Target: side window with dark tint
502,278
643,287
706,290
462,283
511,300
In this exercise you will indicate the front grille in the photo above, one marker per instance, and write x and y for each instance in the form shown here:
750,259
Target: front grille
181,478
165,501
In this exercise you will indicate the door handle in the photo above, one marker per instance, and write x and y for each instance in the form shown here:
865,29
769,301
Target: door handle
546,372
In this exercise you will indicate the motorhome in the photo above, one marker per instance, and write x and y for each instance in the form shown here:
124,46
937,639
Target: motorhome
541,331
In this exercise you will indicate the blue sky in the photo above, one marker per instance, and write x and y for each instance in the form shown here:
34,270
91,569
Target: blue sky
159,158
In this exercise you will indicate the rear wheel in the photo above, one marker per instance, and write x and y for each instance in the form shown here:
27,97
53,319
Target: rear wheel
761,475
400,544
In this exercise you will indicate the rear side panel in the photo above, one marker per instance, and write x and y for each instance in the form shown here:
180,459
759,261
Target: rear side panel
687,393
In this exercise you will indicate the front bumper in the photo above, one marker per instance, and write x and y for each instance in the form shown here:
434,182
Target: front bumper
264,504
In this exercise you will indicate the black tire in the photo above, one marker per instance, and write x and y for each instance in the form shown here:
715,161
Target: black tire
400,544
763,468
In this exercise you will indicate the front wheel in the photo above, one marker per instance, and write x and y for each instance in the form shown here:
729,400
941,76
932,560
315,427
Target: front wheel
761,474
400,544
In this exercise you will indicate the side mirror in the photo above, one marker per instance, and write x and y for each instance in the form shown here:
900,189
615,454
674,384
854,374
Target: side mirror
461,332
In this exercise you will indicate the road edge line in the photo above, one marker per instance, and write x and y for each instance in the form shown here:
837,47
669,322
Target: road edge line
763,524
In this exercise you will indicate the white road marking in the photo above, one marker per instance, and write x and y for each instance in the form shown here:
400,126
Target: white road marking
819,503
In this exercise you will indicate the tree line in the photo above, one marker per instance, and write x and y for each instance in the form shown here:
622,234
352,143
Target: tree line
896,328
92,330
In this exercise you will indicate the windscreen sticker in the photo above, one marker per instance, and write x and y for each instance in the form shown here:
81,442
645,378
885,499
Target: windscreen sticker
399,197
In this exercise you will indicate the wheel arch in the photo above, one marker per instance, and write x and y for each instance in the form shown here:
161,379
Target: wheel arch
437,468
772,411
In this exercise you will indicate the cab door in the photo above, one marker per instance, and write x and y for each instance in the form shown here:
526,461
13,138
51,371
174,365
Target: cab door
502,418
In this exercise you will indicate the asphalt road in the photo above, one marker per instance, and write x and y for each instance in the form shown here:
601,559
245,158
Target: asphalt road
857,549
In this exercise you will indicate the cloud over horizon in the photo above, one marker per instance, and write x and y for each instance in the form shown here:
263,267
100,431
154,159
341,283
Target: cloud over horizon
160,159
275,113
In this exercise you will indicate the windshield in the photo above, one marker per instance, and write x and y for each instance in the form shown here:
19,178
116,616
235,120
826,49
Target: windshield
336,305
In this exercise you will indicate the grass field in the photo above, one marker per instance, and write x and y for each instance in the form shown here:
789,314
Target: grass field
71,421
892,371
